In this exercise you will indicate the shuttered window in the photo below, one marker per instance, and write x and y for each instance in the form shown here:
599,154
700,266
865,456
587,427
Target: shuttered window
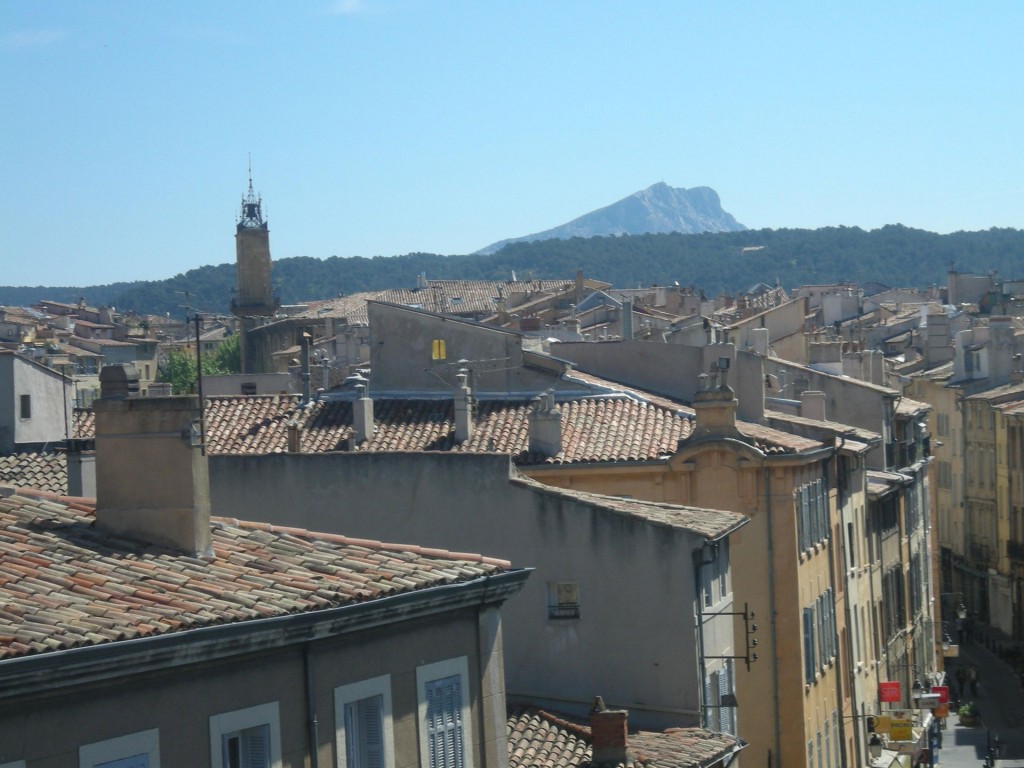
364,733
444,722
248,748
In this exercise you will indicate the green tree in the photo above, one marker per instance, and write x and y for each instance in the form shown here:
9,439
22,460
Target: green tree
227,358
179,365
178,368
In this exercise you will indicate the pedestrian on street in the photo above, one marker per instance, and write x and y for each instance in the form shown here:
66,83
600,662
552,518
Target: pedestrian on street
973,677
961,678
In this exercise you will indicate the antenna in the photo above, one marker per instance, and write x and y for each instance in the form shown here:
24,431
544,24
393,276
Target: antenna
250,171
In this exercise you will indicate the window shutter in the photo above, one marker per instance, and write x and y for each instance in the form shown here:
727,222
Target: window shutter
256,747
724,687
444,722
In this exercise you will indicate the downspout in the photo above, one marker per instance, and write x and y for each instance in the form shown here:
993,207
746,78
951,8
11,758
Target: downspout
772,609
698,565
849,623
314,741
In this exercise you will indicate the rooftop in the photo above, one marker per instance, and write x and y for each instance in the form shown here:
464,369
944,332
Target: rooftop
540,738
44,471
64,584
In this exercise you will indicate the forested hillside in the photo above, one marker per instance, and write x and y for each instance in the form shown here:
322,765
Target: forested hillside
726,261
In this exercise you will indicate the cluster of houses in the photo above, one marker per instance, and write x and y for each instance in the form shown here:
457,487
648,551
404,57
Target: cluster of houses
477,523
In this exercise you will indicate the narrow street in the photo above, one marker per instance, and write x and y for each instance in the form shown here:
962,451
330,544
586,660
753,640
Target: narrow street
1001,703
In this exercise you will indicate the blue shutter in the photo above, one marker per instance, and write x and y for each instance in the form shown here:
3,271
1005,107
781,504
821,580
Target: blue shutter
364,733
725,687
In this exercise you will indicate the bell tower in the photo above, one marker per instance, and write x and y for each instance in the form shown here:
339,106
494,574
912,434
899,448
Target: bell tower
255,299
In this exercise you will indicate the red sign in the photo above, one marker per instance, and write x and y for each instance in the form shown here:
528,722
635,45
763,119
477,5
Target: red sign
943,691
890,692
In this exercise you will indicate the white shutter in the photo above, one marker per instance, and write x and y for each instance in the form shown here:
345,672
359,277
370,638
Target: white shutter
444,722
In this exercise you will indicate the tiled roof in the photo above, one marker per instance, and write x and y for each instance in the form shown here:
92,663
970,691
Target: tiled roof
838,428
623,425
710,523
460,297
1005,392
539,738
83,423
767,439
64,584
45,471
907,407
595,429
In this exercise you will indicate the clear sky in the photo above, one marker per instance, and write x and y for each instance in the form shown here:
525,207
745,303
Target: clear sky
383,127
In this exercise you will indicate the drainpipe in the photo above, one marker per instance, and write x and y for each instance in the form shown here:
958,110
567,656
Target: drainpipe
698,563
307,663
772,608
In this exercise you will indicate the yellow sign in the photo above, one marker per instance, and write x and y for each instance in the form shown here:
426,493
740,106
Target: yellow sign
901,729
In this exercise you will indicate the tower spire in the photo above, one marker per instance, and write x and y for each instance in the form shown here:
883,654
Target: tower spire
252,208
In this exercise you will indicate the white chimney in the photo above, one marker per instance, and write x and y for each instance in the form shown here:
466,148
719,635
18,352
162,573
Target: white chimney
463,408
362,416
545,422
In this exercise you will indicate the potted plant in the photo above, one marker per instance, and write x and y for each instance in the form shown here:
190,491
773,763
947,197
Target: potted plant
969,714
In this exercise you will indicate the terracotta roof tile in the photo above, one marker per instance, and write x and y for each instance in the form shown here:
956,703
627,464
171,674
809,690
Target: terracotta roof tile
711,523
45,471
65,584
540,738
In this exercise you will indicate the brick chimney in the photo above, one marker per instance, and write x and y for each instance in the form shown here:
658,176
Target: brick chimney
152,476
545,422
609,734
463,408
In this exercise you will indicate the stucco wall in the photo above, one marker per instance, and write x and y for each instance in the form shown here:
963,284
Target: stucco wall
634,642
401,359
48,731
51,408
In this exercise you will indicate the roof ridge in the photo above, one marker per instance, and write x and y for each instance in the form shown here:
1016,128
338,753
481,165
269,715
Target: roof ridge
337,538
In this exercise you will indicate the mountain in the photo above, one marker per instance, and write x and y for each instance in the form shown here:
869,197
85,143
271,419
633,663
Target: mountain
657,209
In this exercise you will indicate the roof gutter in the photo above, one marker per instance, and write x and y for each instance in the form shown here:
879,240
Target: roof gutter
34,675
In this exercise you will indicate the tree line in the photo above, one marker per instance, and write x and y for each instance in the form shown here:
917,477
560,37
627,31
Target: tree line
730,262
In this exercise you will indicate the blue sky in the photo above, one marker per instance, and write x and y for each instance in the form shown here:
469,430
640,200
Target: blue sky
382,127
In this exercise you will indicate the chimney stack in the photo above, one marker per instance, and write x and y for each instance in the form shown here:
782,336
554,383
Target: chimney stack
609,734
545,422
463,408
715,406
627,318
167,501
812,405
362,416
80,456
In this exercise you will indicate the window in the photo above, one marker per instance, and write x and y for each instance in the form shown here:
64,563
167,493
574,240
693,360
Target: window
246,738
26,407
563,600
136,750
444,720
363,724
